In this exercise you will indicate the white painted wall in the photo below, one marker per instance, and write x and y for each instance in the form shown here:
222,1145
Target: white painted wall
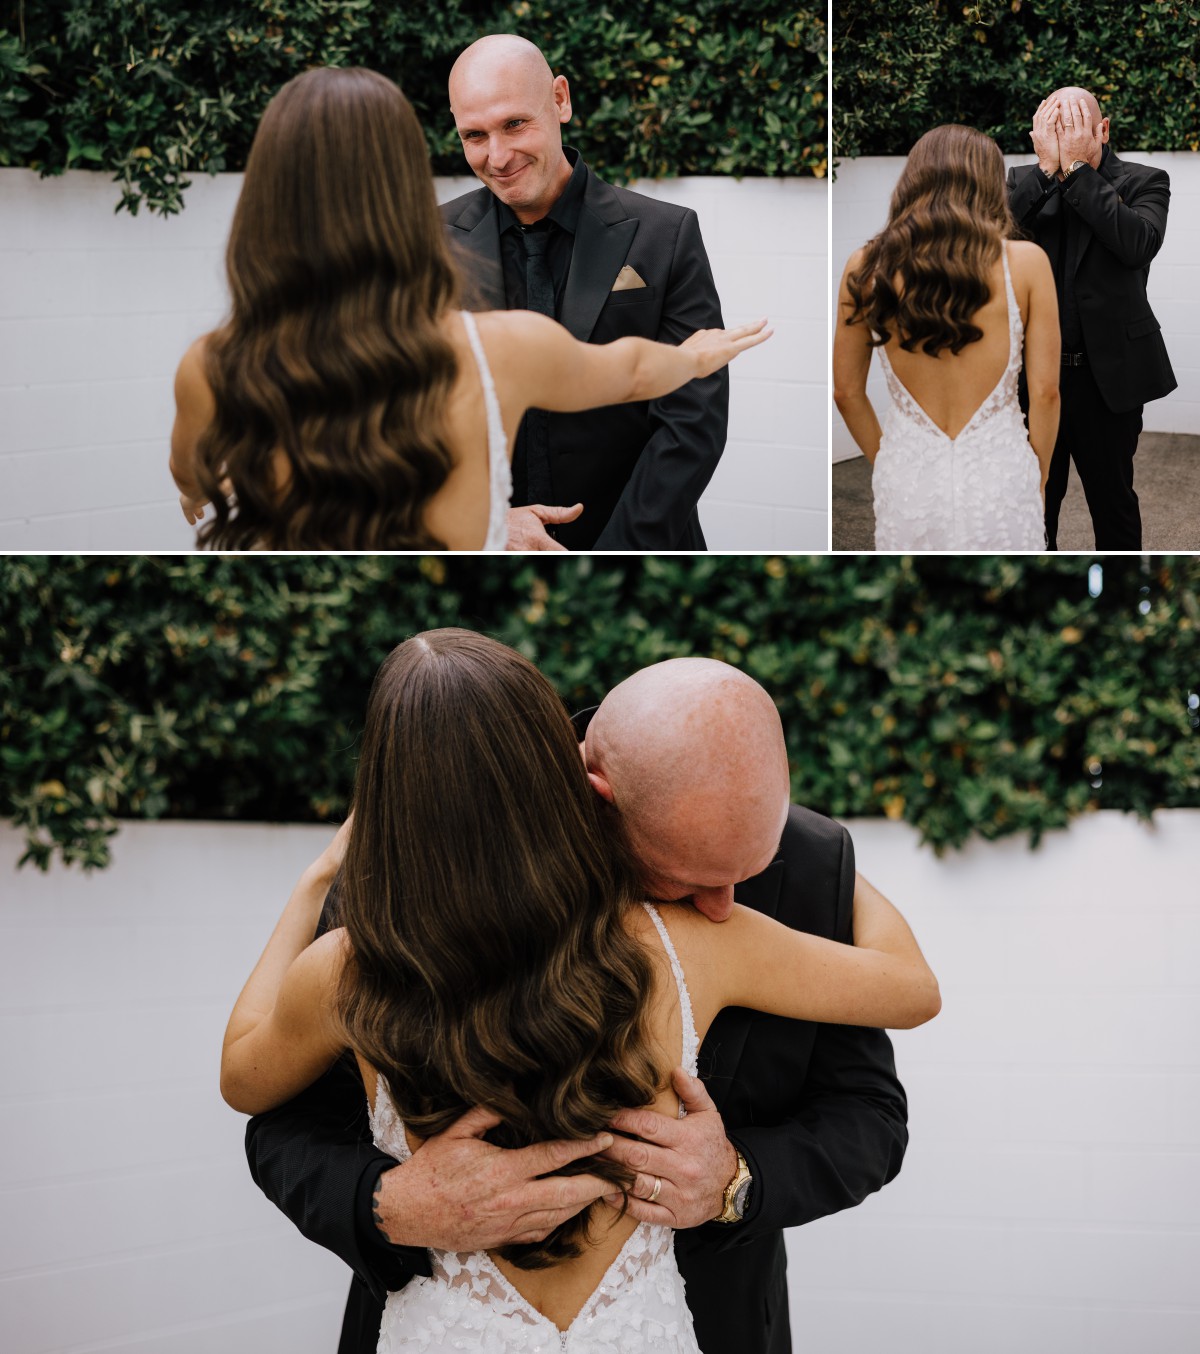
1048,1202
128,1220
1050,1198
96,310
860,202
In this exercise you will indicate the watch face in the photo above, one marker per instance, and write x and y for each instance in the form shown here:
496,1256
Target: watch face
740,1196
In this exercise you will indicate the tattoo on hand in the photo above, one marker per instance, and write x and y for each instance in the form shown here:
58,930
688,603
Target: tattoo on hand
375,1206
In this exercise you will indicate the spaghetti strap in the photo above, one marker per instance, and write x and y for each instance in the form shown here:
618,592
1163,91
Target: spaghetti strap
499,470
691,1043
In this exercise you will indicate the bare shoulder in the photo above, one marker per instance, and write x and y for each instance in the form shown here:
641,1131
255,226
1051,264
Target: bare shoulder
697,940
192,393
501,329
1027,259
319,968
855,261
523,349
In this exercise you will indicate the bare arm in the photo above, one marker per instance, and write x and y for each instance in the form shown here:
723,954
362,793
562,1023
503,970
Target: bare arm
851,365
193,412
1043,347
544,367
283,1034
882,980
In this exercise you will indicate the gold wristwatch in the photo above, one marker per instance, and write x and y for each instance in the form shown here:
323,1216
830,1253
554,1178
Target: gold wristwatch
737,1193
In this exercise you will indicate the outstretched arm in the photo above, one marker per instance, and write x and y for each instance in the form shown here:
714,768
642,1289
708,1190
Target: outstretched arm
851,365
545,368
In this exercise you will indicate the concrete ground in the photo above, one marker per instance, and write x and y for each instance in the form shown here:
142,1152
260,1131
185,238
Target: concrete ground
1166,475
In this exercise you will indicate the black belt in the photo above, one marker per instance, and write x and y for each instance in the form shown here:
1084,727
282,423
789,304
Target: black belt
1074,359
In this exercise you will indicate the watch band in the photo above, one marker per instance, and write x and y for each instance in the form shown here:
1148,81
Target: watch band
737,1192
1075,164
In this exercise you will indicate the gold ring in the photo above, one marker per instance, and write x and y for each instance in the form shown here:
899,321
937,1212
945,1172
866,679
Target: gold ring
650,1198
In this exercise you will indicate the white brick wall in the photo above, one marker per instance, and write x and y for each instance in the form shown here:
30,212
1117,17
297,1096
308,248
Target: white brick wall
1048,1202
96,310
1050,1195
860,200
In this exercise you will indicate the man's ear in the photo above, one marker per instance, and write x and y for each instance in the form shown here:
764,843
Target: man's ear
1103,130
562,98
601,786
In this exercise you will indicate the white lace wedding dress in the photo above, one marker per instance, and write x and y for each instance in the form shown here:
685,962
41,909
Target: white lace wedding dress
980,490
469,1305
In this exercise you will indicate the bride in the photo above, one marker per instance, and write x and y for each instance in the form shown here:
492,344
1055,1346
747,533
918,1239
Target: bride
348,402
952,304
493,952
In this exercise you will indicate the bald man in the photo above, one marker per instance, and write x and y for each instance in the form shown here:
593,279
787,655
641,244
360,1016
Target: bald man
804,1119
790,1120
544,233
1101,220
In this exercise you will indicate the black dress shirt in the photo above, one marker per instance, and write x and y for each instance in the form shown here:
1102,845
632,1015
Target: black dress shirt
560,223
1068,262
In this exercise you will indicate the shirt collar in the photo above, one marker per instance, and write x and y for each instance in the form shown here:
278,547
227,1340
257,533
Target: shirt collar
565,212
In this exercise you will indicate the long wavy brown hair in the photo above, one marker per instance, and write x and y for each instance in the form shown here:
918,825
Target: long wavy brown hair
484,889
927,273
331,375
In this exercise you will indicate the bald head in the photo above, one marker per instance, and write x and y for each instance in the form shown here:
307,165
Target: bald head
509,109
691,753
500,60
1081,96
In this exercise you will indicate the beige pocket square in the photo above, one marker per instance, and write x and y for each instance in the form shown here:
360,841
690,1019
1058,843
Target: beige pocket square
627,280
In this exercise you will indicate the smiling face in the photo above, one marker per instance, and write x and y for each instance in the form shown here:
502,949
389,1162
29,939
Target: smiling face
509,111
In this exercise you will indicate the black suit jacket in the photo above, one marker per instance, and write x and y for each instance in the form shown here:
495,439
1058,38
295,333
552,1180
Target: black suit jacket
1122,209
638,469
817,1111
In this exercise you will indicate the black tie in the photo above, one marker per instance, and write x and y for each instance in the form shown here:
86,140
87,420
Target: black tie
539,296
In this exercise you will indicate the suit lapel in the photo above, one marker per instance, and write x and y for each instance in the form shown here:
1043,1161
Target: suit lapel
475,230
721,1050
602,240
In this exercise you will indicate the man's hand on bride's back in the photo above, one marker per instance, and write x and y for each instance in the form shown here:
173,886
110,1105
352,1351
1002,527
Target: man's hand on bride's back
716,348
460,1193
691,1158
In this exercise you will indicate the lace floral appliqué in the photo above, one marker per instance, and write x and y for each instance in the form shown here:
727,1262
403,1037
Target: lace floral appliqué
980,490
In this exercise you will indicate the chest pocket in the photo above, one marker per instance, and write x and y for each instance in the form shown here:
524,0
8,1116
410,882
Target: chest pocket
630,296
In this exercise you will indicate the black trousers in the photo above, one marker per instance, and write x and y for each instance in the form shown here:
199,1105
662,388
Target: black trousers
1102,445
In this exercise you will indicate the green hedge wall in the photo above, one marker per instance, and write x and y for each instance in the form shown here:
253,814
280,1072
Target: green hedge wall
153,91
903,66
986,695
